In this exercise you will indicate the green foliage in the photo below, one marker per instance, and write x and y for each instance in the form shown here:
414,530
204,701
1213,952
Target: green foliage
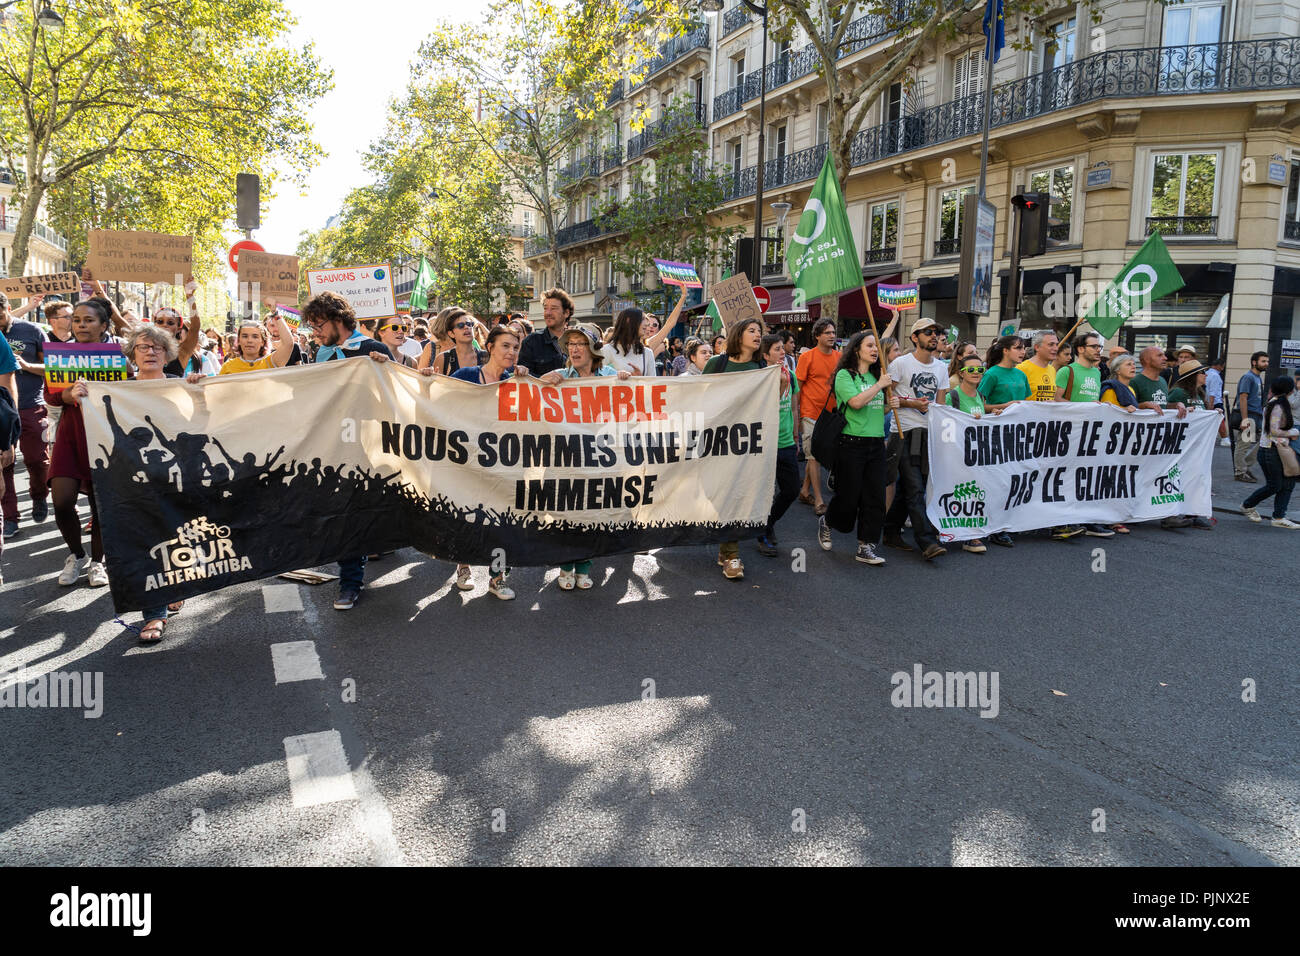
152,108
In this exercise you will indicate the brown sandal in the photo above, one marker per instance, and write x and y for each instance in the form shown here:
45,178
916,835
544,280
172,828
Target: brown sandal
155,627
175,608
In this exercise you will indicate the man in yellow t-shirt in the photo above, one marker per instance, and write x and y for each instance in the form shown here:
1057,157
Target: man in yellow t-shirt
251,345
1038,368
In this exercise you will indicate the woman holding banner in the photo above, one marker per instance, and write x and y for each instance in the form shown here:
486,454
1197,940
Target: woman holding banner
392,332
463,353
787,449
859,498
253,346
1003,383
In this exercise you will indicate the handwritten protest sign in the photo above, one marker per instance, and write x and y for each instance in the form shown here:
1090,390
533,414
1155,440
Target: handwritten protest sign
678,273
23,287
368,289
735,300
139,256
267,277
93,361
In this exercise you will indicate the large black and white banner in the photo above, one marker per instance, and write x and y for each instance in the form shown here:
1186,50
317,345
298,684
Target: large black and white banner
245,476
1044,464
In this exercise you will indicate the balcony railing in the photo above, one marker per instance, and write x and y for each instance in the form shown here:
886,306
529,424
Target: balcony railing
676,48
1149,71
578,171
734,19
536,246
947,247
39,229
582,231
616,92
1183,225
661,129
610,158
883,254
1291,230
1060,232
518,230
773,268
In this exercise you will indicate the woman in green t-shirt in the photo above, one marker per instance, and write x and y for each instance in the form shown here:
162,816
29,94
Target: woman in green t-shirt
744,341
966,397
1003,383
859,500
787,450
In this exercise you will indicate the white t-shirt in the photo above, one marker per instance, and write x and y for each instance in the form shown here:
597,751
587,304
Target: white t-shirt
412,349
639,363
912,379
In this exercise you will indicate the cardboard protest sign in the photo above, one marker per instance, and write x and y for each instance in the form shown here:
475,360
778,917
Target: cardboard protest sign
678,273
267,277
368,289
24,287
65,362
735,300
139,256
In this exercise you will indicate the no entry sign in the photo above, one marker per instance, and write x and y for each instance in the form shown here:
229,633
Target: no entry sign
764,298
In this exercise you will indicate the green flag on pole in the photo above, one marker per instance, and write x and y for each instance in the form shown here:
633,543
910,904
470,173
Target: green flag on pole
1149,275
423,283
824,260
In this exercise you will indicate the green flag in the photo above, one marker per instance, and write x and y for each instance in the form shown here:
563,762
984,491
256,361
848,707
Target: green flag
1149,275
423,283
823,258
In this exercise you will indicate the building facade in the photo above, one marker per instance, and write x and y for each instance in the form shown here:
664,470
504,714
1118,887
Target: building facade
1180,119
47,251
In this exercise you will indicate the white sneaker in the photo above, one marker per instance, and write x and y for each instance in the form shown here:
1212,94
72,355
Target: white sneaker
497,586
72,569
1225,442
565,581
96,575
464,578
1252,514
584,582
1285,523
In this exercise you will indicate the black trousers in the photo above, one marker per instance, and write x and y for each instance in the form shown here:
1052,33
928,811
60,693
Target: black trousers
859,499
913,451
787,486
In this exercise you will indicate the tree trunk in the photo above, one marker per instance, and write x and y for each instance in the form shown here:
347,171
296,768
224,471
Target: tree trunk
26,221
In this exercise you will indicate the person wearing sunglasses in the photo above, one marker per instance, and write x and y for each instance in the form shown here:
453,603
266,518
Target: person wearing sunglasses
393,332
1003,383
463,353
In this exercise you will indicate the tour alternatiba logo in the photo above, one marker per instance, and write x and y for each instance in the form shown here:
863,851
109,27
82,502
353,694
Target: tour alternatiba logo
1168,488
963,507
200,550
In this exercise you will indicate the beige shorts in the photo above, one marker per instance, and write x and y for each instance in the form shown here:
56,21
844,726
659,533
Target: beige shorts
807,424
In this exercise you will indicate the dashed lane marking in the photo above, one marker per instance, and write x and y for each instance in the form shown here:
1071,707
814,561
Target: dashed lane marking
318,769
295,661
281,597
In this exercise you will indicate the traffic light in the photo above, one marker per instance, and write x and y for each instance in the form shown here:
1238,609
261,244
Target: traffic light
248,201
745,258
1033,222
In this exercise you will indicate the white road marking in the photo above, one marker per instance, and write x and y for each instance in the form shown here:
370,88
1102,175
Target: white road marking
295,661
281,597
318,769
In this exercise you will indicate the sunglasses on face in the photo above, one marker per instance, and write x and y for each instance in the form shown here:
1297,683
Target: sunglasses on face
396,328
973,369
463,325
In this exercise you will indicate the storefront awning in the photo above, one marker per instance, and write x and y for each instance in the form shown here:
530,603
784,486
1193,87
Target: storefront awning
851,304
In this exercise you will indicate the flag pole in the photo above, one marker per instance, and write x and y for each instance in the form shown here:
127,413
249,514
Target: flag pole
884,364
1066,336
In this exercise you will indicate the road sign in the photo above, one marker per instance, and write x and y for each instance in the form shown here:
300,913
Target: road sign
242,244
764,298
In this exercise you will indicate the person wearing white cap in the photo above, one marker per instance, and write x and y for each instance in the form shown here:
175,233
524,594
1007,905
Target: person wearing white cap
919,379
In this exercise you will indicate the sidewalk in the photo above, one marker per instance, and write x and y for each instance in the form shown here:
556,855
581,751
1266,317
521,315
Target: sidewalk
1228,493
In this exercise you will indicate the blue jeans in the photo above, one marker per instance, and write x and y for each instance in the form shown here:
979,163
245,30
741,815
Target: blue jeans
156,615
352,573
1276,483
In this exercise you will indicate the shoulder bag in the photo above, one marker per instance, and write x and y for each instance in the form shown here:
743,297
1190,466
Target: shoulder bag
826,433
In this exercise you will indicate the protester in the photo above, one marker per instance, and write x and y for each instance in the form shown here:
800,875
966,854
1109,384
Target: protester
10,424
1214,383
541,351
1150,385
719,344
698,354
189,356
859,498
815,370
744,341
439,335
1040,368
26,342
1118,389
637,339
297,352
523,328
69,474
966,376
1003,383
1064,356
1250,412
334,326
1280,433
772,348
788,345
920,379
463,353
1189,386
1080,381
252,353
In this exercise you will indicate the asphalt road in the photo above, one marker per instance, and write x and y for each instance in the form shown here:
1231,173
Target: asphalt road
468,730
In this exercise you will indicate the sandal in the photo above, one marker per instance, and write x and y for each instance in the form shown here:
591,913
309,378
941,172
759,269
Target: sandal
1119,529
175,608
820,509
154,628
805,497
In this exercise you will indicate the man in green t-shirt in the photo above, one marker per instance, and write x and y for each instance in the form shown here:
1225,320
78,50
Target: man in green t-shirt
1080,381
1149,385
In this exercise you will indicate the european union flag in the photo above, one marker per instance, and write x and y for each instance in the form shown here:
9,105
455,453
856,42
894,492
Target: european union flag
999,39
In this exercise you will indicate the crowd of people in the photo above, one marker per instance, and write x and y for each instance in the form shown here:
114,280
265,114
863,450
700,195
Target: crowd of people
874,489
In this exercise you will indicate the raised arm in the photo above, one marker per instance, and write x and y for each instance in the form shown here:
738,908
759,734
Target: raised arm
657,341
120,325
284,345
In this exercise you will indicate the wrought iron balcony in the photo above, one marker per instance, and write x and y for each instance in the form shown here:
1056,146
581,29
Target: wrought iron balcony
1059,232
578,171
773,268
582,232
610,158
883,254
616,92
1291,230
1183,225
518,230
792,168
536,246
726,103
947,247
1241,66
676,48
661,129
734,19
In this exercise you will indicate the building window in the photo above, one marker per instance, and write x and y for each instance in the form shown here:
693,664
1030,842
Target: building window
736,155
591,273
776,143
1195,26
738,70
823,124
948,240
1192,22
773,252
1184,194
882,232
1059,182
968,73
1291,225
